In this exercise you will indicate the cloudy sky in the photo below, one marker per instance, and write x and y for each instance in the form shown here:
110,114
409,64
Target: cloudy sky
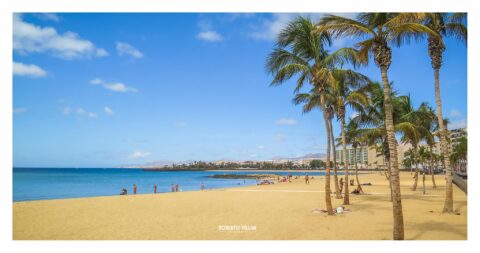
112,89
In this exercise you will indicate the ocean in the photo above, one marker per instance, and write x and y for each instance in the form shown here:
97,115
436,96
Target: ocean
61,183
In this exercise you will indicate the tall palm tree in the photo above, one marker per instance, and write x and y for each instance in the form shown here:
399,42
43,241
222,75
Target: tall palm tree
444,25
310,101
331,112
381,29
338,97
350,91
300,52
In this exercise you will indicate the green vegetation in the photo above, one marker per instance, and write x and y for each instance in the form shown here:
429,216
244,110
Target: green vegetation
380,113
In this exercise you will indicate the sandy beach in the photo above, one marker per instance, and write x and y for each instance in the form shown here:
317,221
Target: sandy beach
280,211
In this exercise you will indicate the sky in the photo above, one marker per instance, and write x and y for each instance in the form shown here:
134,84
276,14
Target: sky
104,90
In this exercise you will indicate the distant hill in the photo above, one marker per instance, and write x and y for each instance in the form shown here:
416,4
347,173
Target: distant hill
307,156
162,163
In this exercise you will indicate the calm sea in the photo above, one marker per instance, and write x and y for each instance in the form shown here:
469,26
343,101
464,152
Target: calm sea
61,183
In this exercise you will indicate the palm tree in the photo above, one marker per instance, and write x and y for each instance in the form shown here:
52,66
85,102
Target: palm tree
330,110
431,124
350,91
444,25
300,52
414,125
381,29
355,137
338,97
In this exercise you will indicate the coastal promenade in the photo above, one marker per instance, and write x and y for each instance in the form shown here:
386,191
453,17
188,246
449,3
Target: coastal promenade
279,211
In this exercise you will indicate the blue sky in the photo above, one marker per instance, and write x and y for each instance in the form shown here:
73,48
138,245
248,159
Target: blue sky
114,89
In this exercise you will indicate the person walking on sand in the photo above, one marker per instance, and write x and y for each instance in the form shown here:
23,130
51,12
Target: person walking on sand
341,184
307,180
155,188
134,189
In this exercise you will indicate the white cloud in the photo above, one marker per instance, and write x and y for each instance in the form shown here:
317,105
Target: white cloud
67,110
210,36
48,16
19,110
21,69
285,121
455,113
96,81
117,87
269,28
139,154
261,147
127,49
461,123
101,52
108,110
279,137
30,38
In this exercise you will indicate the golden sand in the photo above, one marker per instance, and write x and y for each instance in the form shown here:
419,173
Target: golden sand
280,211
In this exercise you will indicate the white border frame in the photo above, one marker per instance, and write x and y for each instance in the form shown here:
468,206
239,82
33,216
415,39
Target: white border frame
6,10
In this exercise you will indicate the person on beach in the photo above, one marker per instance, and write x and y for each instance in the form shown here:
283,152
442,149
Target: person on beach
202,187
134,189
155,188
341,185
123,192
307,179
176,188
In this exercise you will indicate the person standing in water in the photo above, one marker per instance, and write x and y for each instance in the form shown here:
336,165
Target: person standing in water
134,189
155,188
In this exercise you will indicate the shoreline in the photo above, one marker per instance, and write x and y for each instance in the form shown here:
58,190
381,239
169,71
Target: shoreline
340,173
207,189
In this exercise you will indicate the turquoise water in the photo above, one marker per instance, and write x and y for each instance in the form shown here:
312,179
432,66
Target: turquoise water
61,183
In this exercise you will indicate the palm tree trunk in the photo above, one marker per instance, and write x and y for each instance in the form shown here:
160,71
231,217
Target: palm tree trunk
346,198
431,168
414,161
359,188
448,206
398,230
328,200
338,194
423,182
390,179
